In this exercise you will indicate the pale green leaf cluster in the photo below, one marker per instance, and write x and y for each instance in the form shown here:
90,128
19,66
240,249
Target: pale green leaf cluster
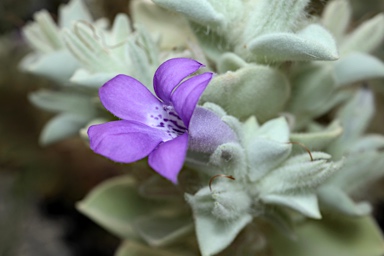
278,70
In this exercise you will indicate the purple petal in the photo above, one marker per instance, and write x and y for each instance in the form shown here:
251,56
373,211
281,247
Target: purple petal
170,74
168,158
187,95
128,99
207,131
124,141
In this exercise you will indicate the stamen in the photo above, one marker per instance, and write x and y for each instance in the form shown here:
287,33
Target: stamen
219,175
303,146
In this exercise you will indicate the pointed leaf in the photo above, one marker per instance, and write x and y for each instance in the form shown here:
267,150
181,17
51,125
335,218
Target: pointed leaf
311,43
58,66
201,12
115,204
61,127
331,236
253,90
306,204
357,40
162,231
318,140
214,235
336,17
334,200
73,11
357,67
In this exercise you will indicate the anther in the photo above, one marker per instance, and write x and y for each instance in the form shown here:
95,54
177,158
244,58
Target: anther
219,175
303,146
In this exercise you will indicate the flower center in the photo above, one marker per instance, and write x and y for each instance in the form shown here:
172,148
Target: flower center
167,119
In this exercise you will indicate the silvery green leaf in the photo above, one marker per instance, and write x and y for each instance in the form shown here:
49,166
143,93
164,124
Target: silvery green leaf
334,200
330,236
132,248
358,171
355,117
121,28
267,146
62,102
357,41
214,235
230,62
170,30
201,12
115,204
305,203
298,173
276,129
311,43
88,48
212,43
163,231
357,67
73,11
249,127
269,16
320,139
336,17
312,87
366,143
61,127
264,155
253,90
49,30
58,65
94,80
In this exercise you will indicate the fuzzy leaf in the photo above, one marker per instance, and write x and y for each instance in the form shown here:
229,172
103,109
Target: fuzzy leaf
318,140
115,204
162,231
355,117
58,65
311,43
357,40
252,90
214,235
358,171
336,17
367,142
73,11
170,29
357,67
230,62
306,203
93,80
61,127
331,236
198,11
298,173
337,201
62,102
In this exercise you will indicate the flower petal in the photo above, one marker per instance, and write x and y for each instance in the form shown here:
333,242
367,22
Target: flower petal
170,74
128,99
187,95
124,141
168,158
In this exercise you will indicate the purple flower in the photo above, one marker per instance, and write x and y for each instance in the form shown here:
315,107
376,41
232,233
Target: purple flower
150,126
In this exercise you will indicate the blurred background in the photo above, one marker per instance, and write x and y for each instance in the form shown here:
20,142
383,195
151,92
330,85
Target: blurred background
39,186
